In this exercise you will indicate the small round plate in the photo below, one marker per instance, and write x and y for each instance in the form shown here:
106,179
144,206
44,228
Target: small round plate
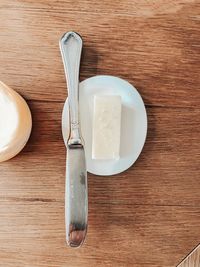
133,122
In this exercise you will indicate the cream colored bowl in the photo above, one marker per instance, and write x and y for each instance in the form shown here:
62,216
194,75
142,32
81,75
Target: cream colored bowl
15,122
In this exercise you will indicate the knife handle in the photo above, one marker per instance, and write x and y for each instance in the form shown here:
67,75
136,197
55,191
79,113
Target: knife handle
71,48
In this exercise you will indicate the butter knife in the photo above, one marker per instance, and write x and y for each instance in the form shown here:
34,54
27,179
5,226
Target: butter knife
76,195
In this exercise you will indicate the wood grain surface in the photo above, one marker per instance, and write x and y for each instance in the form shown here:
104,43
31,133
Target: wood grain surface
192,260
148,216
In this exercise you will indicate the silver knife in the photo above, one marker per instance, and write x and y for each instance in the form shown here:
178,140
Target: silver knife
76,195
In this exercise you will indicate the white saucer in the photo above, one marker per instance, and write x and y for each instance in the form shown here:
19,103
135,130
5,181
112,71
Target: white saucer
133,122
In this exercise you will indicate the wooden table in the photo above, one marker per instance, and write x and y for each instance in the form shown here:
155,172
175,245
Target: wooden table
192,260
146,216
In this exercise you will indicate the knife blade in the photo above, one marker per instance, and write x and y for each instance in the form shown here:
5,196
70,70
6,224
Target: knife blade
76,197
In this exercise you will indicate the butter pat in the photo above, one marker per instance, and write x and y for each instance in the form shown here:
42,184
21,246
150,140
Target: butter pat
106,127
15,122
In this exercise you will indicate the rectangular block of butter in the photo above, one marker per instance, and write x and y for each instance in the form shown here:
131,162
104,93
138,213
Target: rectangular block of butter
106,127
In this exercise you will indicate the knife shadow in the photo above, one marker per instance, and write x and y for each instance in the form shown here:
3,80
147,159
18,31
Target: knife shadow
89,63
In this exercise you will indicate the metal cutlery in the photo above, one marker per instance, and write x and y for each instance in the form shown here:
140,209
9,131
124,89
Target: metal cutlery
76,195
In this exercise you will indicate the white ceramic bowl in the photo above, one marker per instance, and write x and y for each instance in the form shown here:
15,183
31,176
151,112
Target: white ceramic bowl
133,122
